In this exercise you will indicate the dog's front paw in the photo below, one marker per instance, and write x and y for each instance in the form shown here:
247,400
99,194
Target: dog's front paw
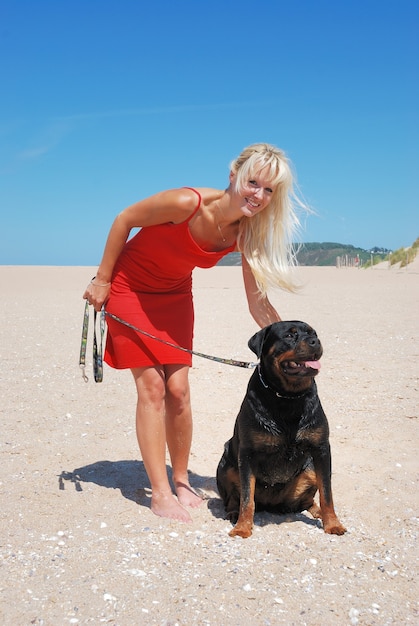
241,530
334,527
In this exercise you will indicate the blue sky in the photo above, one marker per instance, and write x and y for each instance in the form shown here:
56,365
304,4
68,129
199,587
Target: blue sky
104,103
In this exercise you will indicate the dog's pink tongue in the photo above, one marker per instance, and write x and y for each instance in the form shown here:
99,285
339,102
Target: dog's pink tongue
315,365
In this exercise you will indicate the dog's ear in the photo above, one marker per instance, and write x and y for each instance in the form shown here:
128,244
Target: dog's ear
256,342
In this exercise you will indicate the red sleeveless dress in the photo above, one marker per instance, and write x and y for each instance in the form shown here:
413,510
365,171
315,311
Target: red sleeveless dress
152,290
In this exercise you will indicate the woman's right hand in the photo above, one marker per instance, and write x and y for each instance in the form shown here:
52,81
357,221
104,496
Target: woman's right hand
97,294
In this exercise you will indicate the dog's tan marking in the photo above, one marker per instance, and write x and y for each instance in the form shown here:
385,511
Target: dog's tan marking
244,525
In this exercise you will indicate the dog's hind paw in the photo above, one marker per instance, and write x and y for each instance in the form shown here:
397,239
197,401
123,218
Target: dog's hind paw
315,511
233,517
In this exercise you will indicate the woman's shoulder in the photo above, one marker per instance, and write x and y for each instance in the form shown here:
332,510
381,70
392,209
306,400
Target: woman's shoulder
187,200
180,199
207,191
207,194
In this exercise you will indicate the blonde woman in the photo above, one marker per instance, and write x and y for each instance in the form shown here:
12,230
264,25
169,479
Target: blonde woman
147,282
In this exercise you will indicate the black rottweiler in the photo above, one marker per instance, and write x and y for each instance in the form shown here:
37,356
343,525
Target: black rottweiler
279,455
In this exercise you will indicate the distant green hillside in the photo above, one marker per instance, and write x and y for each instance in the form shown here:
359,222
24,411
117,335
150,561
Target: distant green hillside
323,254
326,253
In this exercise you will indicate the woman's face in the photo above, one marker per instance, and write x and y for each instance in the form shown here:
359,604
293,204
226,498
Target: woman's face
256,192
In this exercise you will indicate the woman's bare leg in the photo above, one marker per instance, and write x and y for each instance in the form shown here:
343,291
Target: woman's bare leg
151,435
179,431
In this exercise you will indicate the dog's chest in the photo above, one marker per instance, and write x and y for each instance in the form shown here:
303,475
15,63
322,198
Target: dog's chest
283,444
277,458
279,423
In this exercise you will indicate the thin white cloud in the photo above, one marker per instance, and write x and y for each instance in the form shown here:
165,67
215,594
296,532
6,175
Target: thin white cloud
54,132
33,153
181,108
47,139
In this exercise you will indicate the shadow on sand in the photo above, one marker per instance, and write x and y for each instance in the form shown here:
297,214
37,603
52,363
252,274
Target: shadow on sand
131,479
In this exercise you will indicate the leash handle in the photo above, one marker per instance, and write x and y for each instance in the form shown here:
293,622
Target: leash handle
83,346
97,345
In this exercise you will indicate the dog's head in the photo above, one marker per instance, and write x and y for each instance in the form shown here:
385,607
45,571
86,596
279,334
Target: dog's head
289,354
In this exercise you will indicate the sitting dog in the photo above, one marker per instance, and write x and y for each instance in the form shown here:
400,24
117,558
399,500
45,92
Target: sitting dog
279,455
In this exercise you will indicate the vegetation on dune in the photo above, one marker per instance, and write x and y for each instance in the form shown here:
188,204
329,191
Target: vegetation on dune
340,255
404,256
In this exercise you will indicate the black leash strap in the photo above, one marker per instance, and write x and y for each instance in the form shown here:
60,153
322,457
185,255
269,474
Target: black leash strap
97,348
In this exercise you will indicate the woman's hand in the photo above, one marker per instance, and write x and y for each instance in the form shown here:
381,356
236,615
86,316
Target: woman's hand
97,293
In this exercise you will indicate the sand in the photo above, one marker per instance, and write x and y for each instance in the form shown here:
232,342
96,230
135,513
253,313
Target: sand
79,542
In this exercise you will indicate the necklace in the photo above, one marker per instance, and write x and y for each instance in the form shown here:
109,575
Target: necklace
218,224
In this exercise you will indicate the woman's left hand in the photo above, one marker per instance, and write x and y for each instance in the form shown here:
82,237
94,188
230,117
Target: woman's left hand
97,295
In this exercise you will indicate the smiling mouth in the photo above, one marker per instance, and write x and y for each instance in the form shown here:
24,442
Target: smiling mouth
302,368
252,204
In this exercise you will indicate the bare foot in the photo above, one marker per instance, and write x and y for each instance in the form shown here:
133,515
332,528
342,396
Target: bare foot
186,495
168,506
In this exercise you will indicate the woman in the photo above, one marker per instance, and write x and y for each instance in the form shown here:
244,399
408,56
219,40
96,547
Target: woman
147,282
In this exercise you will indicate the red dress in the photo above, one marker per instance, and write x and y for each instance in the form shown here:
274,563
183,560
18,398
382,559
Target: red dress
152,290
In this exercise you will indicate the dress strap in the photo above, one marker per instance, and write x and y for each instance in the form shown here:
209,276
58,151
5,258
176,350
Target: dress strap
197,206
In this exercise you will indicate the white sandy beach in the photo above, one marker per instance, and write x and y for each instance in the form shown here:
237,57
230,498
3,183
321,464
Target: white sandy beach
79,542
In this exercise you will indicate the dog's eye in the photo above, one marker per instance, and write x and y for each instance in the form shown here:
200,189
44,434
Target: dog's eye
291,335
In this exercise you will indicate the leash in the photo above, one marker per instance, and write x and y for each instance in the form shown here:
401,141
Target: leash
97,348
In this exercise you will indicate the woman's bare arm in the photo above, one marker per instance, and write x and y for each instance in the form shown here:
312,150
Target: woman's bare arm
174,205
260,307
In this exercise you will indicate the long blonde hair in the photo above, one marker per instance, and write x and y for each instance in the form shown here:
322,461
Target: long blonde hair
267,239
